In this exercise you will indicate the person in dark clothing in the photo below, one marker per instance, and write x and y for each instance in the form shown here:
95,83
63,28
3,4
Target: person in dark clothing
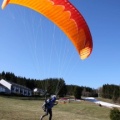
47,107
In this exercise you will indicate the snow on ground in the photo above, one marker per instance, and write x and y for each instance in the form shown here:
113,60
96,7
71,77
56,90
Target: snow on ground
106,104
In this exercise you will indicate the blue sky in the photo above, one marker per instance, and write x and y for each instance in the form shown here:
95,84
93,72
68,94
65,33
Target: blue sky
31,46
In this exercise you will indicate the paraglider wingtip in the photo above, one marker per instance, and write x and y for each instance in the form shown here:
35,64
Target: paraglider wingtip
82,58
85,53
5,2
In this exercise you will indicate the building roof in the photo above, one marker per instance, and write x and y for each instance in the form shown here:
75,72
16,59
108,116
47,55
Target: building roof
24,87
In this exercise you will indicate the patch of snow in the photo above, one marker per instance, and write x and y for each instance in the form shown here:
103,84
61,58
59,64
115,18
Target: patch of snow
106,104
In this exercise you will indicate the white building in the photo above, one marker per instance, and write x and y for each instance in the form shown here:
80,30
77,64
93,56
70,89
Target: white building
9,88
38,91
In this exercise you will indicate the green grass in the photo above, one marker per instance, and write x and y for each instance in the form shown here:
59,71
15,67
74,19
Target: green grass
24,109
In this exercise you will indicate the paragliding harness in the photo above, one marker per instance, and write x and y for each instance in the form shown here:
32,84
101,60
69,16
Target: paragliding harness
46,103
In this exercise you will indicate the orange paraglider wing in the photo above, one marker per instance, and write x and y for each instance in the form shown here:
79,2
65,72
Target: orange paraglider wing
66,17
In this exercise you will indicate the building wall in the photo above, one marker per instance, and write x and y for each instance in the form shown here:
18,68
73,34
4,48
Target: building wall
21,90
4,90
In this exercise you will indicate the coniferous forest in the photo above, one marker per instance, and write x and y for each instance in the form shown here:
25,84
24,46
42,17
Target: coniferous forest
59,86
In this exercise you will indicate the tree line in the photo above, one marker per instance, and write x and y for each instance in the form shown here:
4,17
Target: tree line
58,85
110,91
79,91
52,85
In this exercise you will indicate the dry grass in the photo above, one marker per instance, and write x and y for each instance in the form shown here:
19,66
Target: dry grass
16,109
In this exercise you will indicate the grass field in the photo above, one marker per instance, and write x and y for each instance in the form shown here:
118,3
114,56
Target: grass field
18,109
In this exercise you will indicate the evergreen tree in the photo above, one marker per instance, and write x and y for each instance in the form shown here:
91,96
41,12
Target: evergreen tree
78,92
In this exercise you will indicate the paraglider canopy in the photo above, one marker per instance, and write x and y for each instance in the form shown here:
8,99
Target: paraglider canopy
66,17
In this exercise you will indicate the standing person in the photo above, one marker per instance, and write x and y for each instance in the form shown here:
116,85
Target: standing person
47,107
